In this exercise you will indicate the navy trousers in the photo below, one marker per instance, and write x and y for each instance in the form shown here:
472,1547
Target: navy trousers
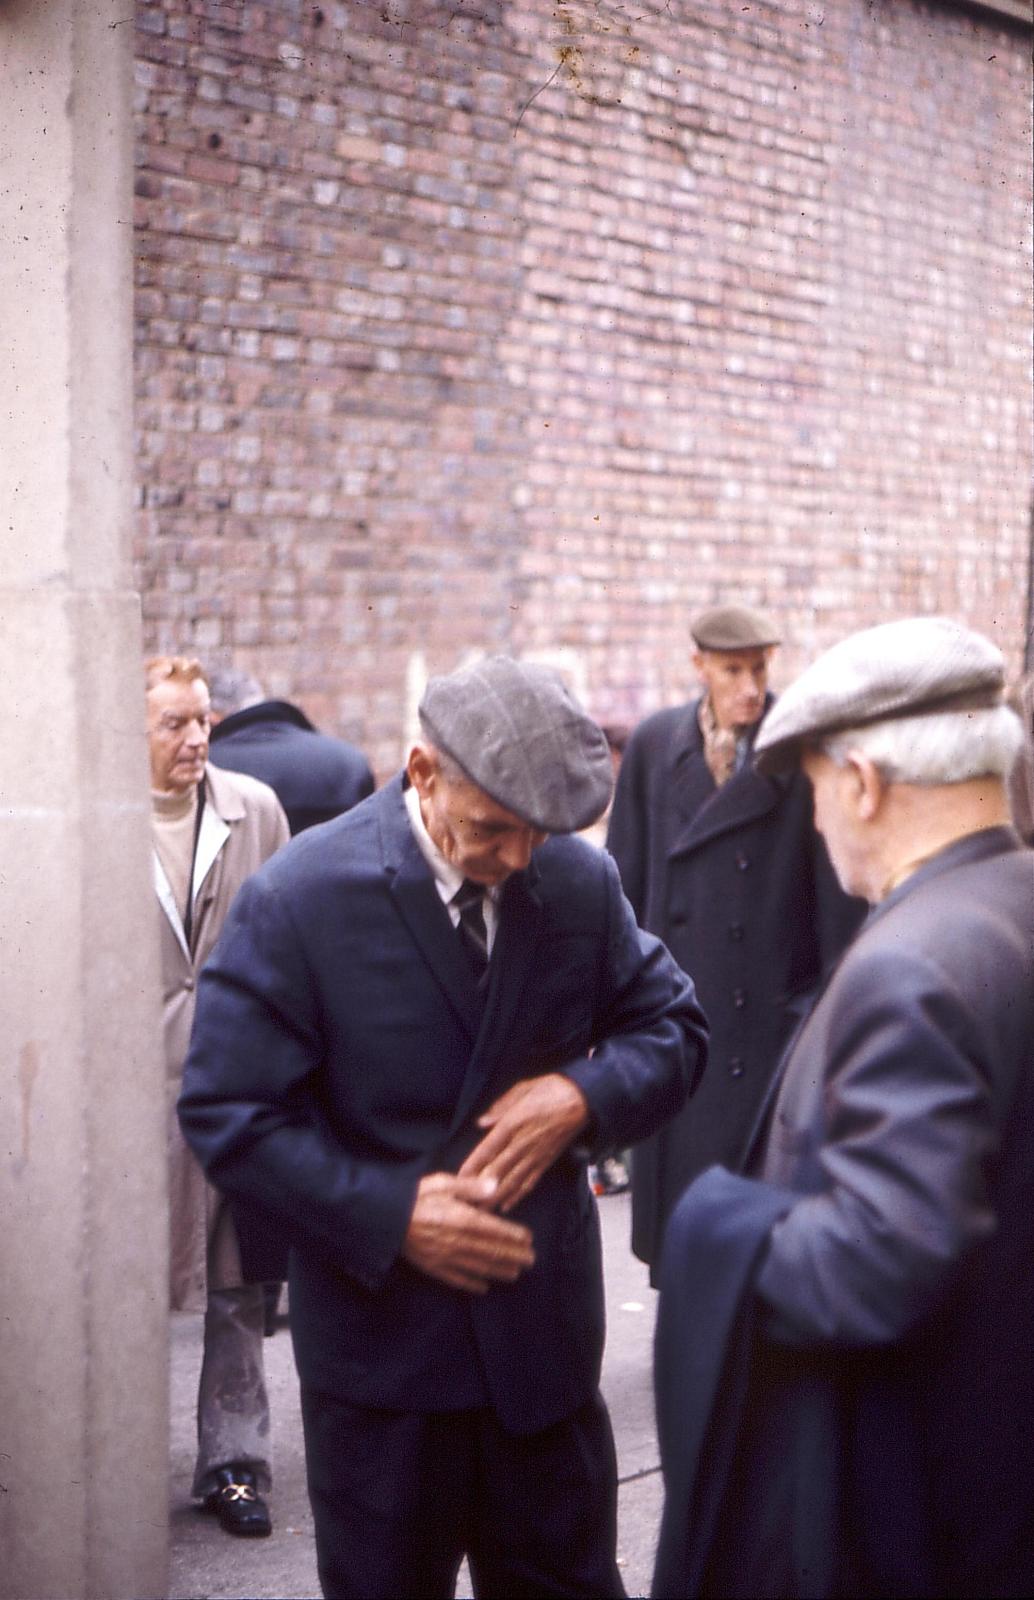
399,1498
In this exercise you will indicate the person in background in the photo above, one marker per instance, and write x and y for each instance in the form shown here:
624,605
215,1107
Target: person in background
844,1378
724,865
422,1021
314,776
211,830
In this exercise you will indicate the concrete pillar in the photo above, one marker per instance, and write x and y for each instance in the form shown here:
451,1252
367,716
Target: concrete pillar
83,1319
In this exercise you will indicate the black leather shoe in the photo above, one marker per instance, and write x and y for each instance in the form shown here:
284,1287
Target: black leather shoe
238,1505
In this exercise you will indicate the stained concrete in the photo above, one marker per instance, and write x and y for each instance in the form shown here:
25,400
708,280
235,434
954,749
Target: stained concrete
83,1403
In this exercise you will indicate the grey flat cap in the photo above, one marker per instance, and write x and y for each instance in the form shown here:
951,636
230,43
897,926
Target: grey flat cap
733,628
899,669
519,734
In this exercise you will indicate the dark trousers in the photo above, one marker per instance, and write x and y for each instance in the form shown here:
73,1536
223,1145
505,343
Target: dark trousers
398,1498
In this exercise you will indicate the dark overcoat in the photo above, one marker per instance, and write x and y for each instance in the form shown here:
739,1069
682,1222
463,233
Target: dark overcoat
341,1050
737,883
885,1444
314,776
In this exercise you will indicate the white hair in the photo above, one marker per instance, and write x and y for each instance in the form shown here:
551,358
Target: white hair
232,689
944,747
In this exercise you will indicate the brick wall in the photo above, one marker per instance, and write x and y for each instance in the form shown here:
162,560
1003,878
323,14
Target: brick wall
533,326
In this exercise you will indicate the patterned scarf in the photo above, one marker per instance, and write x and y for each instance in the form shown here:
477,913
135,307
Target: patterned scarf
725,749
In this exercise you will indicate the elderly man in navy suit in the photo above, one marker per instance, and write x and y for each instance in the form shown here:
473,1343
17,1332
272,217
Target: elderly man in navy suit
419,1027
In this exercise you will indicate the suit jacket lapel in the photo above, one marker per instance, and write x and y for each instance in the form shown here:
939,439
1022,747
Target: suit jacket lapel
513,957
412,887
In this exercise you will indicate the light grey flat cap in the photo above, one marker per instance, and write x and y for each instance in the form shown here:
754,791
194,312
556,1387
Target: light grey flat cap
519,734
733,628
898,669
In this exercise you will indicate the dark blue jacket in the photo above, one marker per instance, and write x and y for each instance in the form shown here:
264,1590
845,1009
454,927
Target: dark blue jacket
849,1412
315,777
340,1052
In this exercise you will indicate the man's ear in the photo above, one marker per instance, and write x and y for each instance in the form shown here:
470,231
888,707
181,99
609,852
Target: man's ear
867,787
422,768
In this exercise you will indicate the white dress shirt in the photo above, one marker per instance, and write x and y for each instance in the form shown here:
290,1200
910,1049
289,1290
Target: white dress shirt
447,879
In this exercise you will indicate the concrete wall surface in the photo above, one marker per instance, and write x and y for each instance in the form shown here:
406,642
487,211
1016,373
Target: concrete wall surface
535,324
83,1231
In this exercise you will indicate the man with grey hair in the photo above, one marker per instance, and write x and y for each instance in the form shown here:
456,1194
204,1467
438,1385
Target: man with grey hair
859,1416
314,776
420,1026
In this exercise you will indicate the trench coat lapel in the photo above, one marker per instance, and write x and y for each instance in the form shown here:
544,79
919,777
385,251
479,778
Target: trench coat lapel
167,901
700,811
212,835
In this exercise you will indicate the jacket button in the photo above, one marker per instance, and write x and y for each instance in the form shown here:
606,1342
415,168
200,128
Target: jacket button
188,983
735,1066
742,861
736,932
739,998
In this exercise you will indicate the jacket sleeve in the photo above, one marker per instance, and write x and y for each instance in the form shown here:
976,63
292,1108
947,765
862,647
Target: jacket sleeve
651,1033
249,1109
900,1162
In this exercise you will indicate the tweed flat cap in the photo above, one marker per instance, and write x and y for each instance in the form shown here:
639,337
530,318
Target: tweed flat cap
909,668
519,734
733,628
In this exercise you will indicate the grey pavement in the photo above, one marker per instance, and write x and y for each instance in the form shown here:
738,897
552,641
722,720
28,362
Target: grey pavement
207,1562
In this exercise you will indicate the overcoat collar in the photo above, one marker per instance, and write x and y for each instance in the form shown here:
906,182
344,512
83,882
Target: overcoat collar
263,711
973,847
700,810
487,1018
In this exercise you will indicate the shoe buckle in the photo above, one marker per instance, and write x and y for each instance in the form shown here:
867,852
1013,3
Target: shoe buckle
238,1491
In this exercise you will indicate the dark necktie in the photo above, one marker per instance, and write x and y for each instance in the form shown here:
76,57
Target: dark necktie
469,901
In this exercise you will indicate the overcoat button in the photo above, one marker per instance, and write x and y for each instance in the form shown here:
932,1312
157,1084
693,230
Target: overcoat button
735,1066
739,998
736,932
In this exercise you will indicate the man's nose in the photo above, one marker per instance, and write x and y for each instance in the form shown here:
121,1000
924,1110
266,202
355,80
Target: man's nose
516,851
196,733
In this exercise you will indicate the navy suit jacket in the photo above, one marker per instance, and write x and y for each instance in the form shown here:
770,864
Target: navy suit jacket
341,1050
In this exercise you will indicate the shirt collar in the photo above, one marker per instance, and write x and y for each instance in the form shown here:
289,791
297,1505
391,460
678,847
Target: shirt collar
447,879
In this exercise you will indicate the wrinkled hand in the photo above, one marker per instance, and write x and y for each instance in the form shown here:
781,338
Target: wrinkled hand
453,1235
528,1127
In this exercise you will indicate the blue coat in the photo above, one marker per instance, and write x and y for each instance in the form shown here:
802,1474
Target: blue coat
874,1435
341,1051
314,777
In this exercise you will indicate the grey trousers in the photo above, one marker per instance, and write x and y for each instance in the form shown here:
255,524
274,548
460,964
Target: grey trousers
232,1404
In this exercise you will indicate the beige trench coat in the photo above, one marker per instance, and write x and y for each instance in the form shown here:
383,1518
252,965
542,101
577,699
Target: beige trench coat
242,824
